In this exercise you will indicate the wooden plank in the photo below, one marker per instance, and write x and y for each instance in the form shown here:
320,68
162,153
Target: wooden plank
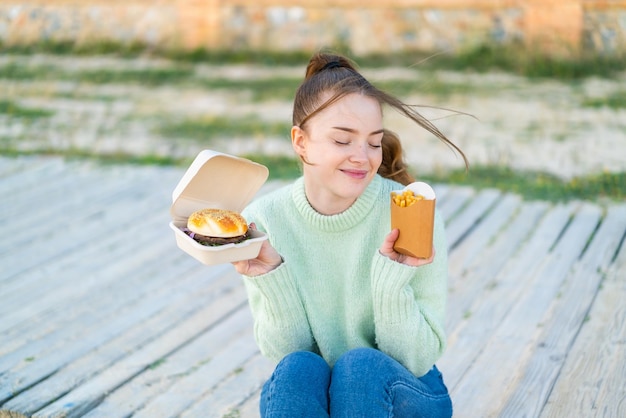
441,192
485,388
569,311
52,191
49,210
90,268
116,217
466,253
226,399
470,216
591,382
39,359
509,278
82,221
152,355
22,181
191,388
92,392
95,294
202,287
250,408
487,273
457,198
139,391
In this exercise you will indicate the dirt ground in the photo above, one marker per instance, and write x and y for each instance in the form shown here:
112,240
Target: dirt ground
541,125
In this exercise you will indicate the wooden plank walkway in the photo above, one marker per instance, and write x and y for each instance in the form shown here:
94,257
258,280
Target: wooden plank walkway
101,315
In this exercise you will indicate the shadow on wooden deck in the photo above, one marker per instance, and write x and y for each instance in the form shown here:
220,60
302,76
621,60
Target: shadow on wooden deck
103,316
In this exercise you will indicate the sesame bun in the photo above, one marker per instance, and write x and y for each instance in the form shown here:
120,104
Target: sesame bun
218,223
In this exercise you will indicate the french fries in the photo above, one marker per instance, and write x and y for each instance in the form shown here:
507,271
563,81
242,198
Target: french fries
406,198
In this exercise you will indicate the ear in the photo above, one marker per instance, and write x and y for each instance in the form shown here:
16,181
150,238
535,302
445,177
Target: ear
298,141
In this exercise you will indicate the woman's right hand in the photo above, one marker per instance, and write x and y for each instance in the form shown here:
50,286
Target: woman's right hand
267,260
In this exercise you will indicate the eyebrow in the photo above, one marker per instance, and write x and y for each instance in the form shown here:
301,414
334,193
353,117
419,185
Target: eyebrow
350,130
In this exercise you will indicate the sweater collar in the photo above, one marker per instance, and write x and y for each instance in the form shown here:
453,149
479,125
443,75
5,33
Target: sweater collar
341,221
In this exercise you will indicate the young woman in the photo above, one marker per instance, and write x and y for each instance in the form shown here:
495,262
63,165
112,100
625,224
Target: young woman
356,328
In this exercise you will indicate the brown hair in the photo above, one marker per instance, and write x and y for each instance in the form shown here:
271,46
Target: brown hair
335,73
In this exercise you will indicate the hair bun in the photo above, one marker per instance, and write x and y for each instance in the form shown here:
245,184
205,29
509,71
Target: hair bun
324,61
330,65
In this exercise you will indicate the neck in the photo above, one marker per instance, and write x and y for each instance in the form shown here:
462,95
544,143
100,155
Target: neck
325,203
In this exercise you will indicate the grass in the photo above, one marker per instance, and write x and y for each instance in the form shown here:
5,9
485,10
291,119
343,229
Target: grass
429,85
149,76
208,128
520,60
615,100
513,58
276,88
537,185
273,88
181,74
13,110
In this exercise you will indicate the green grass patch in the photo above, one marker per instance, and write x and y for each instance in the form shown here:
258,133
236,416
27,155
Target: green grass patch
538,186
524,61
514,58
15,71
616,100
12,109
430,85
221,127
67,47
148,76
105,159
264,89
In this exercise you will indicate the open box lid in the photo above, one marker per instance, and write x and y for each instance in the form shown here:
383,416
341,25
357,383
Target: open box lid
217,180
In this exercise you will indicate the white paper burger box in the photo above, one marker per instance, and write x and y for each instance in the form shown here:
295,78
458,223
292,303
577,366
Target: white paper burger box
221,181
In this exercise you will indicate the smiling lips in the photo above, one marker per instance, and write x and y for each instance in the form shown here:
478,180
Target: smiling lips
355,174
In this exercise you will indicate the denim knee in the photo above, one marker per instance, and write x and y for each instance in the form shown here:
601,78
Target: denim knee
297,388
304,359
304,368
359,363
368,382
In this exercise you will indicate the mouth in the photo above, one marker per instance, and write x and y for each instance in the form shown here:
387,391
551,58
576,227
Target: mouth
355,174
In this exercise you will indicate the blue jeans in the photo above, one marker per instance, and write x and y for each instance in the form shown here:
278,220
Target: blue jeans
363,383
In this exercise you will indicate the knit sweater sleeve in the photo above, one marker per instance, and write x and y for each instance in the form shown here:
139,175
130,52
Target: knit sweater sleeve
280,321
280,325
409,307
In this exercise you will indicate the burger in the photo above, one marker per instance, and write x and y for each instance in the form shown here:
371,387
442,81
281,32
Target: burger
213,227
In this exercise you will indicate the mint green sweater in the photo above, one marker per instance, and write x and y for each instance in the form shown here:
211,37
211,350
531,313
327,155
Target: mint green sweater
335,291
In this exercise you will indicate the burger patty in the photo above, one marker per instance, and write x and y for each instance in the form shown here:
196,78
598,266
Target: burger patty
215,241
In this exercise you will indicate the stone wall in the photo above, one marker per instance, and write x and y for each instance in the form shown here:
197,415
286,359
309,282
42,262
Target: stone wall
365,26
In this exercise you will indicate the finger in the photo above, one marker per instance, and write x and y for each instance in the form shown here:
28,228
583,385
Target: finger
387,246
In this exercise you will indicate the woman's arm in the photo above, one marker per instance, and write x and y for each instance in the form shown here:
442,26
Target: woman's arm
280,323
409,305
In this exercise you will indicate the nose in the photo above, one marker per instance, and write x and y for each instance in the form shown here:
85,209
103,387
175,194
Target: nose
359,153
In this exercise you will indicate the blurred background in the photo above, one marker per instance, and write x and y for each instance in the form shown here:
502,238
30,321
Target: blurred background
540,84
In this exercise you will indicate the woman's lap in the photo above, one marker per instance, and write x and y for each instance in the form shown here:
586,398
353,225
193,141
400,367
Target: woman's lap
363,383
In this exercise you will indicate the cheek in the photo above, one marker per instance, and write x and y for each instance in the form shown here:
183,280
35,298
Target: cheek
376,158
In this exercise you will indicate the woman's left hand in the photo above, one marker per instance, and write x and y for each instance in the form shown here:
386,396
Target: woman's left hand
387,250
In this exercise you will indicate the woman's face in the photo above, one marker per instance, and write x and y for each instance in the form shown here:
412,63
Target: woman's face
342,145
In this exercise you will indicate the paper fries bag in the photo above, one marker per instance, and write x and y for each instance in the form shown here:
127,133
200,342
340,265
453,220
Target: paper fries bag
415,222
